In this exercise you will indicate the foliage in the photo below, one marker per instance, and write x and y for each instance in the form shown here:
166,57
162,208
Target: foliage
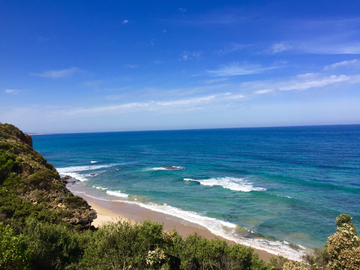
55,246
201,253
344,246
318,259
123,246
31,187
291,265
14,253
75,202
277,263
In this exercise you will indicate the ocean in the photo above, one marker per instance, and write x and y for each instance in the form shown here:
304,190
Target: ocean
277,188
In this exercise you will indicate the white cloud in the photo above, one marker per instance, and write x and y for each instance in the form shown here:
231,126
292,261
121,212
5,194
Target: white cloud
56,74
306,83
163,107
215,80
332,47
125,21
232,48
354,62
12,91
263,91
182,9
131,66
235,69
191,55
280,47
300,82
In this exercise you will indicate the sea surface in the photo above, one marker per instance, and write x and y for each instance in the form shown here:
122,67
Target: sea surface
279,189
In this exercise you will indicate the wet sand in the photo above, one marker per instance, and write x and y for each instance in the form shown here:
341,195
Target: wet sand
109,211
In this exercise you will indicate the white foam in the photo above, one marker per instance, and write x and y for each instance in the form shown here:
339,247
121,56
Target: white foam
224,229
218,227
75,175
236,184
117,194
167,168
93,161
102,188
66,170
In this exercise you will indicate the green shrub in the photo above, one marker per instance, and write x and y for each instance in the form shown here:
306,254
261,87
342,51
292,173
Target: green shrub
124,246
197,252
75,202
14,253
55,246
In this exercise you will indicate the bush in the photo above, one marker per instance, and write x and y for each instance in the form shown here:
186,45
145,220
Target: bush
123,246
344,249
14,253
197,252
55,246
75,202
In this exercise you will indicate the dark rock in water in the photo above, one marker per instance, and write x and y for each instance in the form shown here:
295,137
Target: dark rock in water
69,180
93,174
28,180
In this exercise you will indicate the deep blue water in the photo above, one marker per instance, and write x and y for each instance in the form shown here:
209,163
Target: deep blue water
285,183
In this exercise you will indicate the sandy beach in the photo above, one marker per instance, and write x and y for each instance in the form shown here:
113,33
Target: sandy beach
109,211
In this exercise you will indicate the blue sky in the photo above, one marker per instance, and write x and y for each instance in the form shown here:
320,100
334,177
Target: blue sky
83,66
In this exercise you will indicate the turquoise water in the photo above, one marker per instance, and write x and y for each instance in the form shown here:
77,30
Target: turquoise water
265,186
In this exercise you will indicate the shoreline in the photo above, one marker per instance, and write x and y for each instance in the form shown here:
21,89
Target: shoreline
110,211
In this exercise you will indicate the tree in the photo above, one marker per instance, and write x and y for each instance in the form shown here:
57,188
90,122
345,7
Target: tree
343,247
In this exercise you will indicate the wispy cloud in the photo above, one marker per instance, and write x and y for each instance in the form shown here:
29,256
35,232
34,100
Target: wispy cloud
215,80
300,82
263,91
234,69
191,55
328,48
303,82
57,74
125,21
230,49
182,9
43,39
131,66
354,62
12,91
280,47
163,107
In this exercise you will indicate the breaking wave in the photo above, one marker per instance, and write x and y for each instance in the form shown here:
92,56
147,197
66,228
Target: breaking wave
236,184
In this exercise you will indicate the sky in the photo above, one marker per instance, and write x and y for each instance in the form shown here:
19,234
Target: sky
97,66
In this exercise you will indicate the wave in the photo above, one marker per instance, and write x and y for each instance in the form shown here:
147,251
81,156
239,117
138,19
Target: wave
75,175
236,184
102,188
73,171
117,194
93,161
223,229
167,168
218,227
69,169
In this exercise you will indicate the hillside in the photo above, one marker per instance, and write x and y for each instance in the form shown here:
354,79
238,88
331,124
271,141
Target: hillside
30,186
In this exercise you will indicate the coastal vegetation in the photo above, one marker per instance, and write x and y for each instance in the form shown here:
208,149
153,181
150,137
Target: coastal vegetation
43,226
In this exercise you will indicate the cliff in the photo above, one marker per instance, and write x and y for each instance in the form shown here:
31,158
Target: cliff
30,186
